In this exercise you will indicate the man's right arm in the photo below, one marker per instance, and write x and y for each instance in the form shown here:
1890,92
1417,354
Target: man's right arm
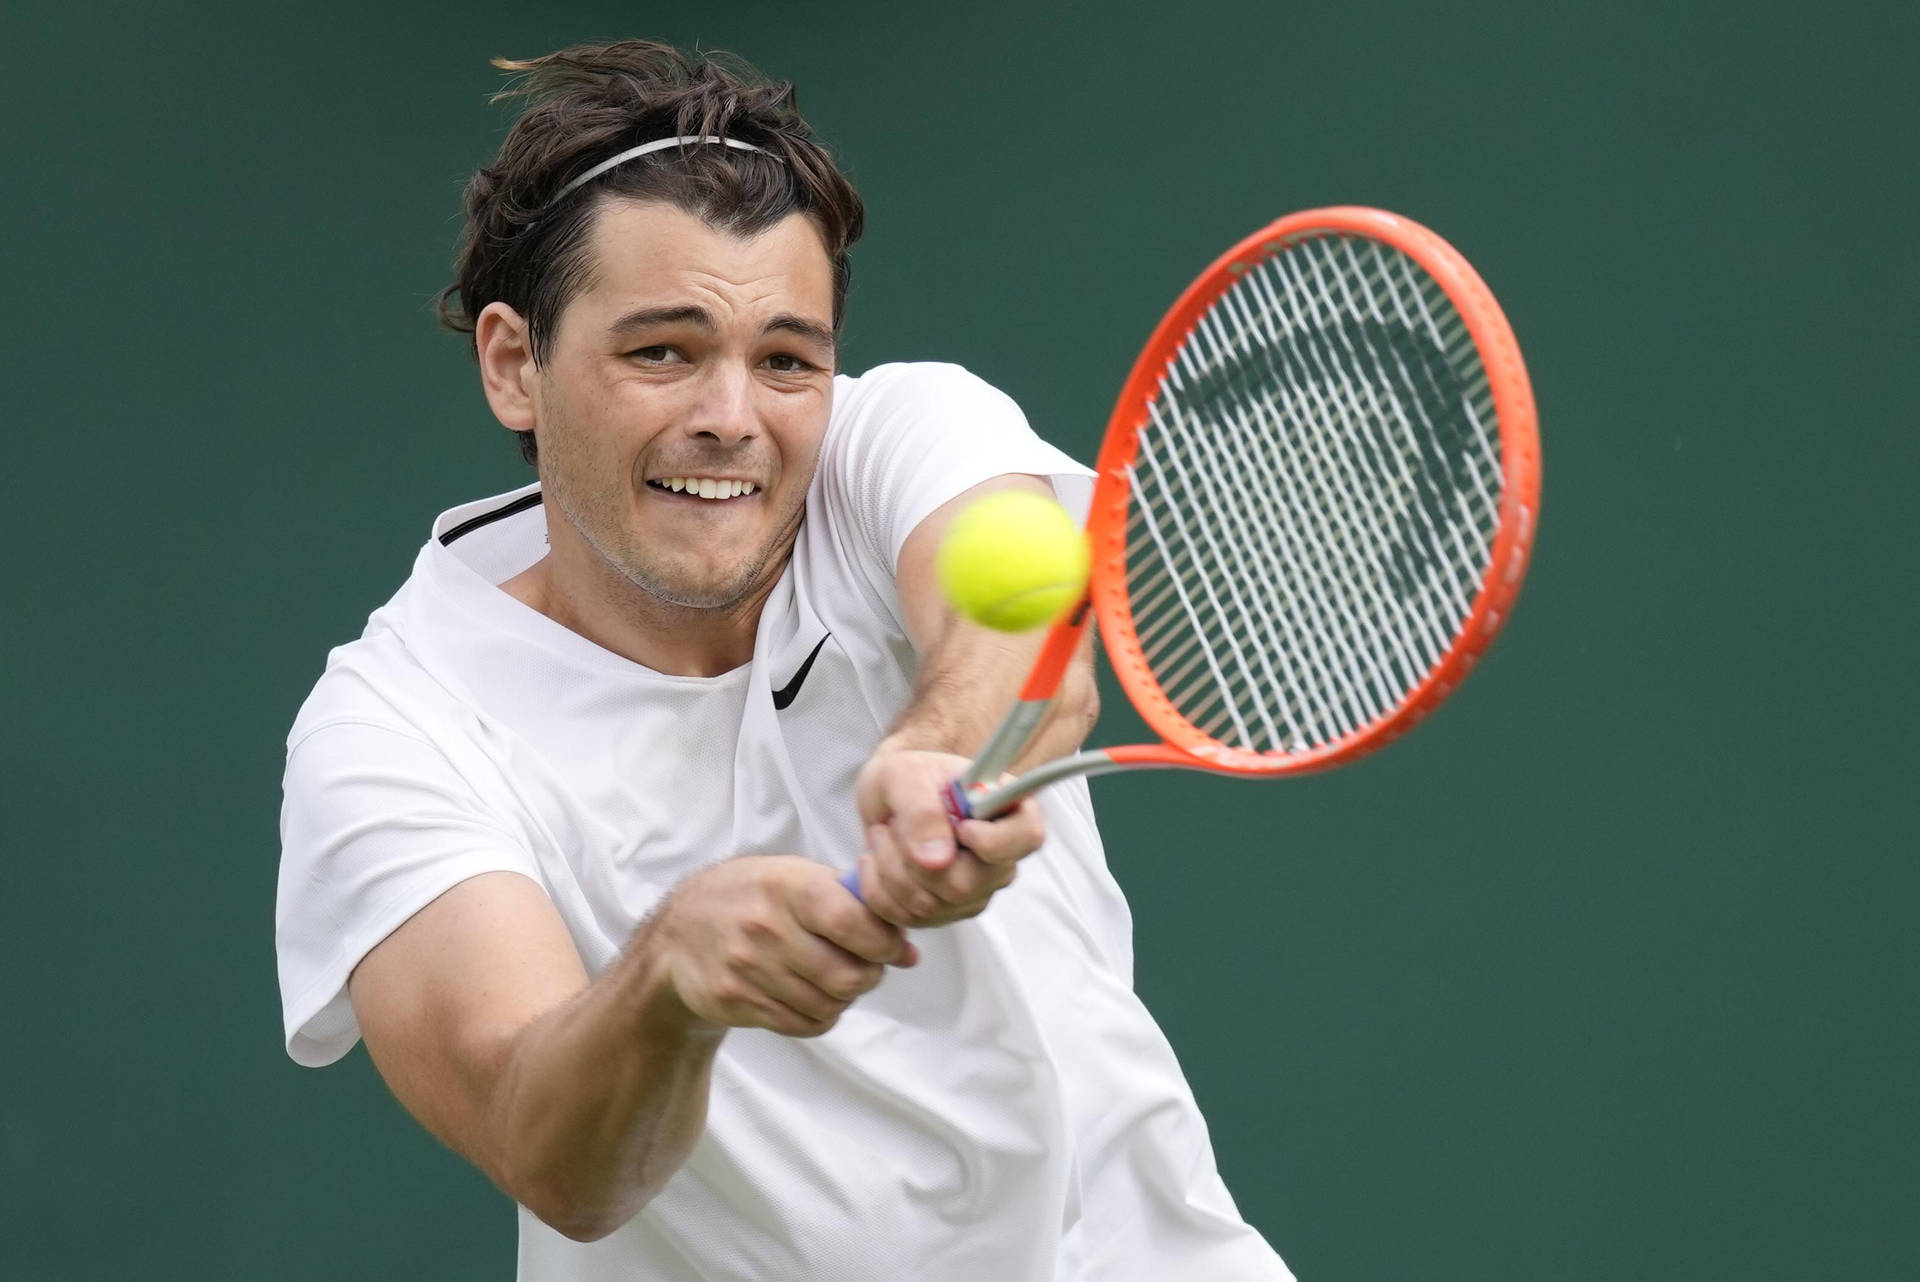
580,1099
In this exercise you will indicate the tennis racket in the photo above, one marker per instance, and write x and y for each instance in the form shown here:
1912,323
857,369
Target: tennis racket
1315,504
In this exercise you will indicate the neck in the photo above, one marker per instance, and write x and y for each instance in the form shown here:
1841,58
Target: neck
584,594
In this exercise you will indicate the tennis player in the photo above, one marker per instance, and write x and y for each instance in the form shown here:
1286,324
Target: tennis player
563,829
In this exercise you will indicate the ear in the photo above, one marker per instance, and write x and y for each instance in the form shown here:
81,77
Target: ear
507,371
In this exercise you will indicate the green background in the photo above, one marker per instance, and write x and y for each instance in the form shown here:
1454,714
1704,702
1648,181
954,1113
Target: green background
1605,973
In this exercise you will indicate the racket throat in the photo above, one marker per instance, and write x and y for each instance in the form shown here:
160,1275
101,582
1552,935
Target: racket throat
1009,738
985,803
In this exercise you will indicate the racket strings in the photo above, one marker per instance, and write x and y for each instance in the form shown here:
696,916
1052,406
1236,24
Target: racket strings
1315,495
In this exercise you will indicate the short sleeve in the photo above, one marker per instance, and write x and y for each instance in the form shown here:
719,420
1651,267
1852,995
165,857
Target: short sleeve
906,438
375,824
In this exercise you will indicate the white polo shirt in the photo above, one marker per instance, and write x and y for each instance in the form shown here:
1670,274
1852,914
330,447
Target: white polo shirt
1006,1110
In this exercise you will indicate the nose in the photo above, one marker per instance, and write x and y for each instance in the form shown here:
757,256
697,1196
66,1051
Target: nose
724,412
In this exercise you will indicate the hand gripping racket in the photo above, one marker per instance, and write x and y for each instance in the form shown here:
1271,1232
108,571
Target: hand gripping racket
1315,503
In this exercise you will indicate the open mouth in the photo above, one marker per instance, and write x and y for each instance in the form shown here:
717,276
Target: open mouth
704,487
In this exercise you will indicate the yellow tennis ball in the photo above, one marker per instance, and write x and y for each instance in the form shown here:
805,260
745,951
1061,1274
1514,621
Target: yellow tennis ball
1013,561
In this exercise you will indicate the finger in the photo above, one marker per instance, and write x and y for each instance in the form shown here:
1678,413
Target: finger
958,882
836,974
968,879
780,982
876,900
958,892
877,904
783,1019
1012,836
826,911
894,887
743,1002
990,879
891,910
918,816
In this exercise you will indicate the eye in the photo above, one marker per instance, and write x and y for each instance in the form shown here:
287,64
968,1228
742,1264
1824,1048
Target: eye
658,354
788,363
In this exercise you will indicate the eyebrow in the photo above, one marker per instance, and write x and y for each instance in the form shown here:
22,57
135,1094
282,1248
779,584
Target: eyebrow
699,318
812,331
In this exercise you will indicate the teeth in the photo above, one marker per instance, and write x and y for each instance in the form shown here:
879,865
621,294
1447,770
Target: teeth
707,487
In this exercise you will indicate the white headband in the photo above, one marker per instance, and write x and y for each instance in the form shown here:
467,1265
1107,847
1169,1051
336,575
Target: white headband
658,144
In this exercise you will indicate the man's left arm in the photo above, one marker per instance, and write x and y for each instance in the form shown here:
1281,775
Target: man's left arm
915,873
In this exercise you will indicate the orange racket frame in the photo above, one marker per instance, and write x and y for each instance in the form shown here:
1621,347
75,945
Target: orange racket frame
1185,745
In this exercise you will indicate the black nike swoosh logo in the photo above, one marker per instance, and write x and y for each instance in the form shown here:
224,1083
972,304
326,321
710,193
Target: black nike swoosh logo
786,694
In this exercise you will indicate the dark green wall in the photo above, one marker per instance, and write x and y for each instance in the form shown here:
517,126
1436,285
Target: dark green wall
1606,973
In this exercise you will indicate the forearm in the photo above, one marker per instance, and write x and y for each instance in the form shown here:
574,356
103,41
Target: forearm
969,681
603,1099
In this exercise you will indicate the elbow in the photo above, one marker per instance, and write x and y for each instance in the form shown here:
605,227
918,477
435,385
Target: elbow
1088,709
583,1230
576,1210
1079,705
582,1219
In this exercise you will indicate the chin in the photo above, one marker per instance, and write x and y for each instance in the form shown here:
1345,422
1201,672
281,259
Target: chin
708,588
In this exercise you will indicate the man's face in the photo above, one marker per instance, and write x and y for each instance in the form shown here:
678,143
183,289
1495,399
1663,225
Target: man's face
693,356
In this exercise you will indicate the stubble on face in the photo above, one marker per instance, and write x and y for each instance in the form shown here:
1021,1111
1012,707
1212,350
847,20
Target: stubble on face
597,501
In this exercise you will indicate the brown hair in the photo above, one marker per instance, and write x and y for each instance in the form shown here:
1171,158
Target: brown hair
587,103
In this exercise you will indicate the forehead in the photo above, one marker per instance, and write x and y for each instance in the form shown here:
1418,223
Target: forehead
645,253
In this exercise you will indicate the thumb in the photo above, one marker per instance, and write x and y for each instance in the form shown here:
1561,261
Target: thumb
923,830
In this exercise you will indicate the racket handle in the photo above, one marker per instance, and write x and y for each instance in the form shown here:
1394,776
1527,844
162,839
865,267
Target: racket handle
958,807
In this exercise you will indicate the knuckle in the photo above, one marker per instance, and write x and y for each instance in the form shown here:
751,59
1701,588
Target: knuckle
959,888
904,884
849,986
815,1008
870,945
904,909
925,885
887,907
1001,853
831,911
